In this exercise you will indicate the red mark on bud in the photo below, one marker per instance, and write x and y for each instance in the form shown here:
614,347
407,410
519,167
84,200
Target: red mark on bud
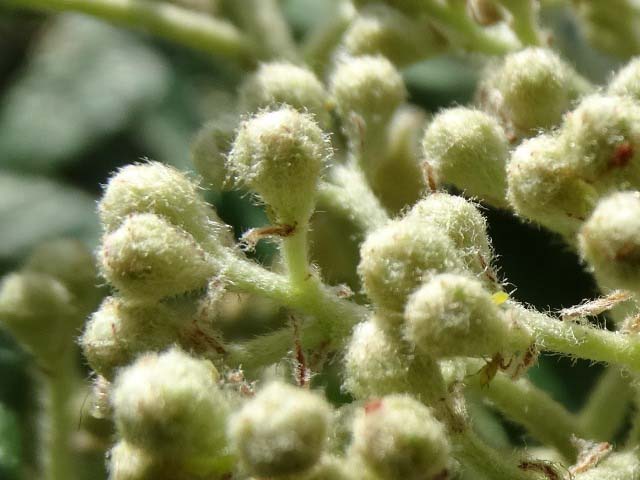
372,406
621,155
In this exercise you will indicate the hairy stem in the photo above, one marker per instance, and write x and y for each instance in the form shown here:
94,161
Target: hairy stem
464,30
483,459
192,29
582,341
295,252
607,406
264,22
524,403
349,193
56,423
322,41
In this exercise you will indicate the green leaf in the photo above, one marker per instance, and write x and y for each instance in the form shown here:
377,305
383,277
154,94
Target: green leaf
85,80
33,209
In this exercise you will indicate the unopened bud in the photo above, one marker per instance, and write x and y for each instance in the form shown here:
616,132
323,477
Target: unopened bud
398,437
148,258
170,404
281,431
610,241
469,149
280,155
278,83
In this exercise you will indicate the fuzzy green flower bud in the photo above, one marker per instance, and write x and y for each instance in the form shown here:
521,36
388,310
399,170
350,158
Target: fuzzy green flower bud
119,331
601,138
544,187
329,468
461,220
208,151
610,241
367,90
627,80
127,462
469,149
280,155
38,310
149,258
531,90
374,363
277,83
170,404
453,315
163,190
382,30
397,258
282,431
398,437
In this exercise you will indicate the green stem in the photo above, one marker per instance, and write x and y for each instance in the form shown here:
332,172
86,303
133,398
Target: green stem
607,406
493,464
581,341
463,30
633,437
295,253
333,317
57,425
524,23
180,25
323,40
524,403
263,21
349,193
269,349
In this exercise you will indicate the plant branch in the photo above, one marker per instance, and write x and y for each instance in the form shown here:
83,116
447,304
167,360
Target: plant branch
607,406
349,194
194,30
581,341
524,403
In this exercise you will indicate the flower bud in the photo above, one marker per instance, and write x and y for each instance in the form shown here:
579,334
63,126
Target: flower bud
462,222
170,404
129,463
602,136
119,331
331,468
626,82
453,315
155,188
398,437
280,155
610,241
148,258
277,83
281,431
382,30
469,149
208,151
38,310
369,88
544,187
531,90
397,258
374,363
